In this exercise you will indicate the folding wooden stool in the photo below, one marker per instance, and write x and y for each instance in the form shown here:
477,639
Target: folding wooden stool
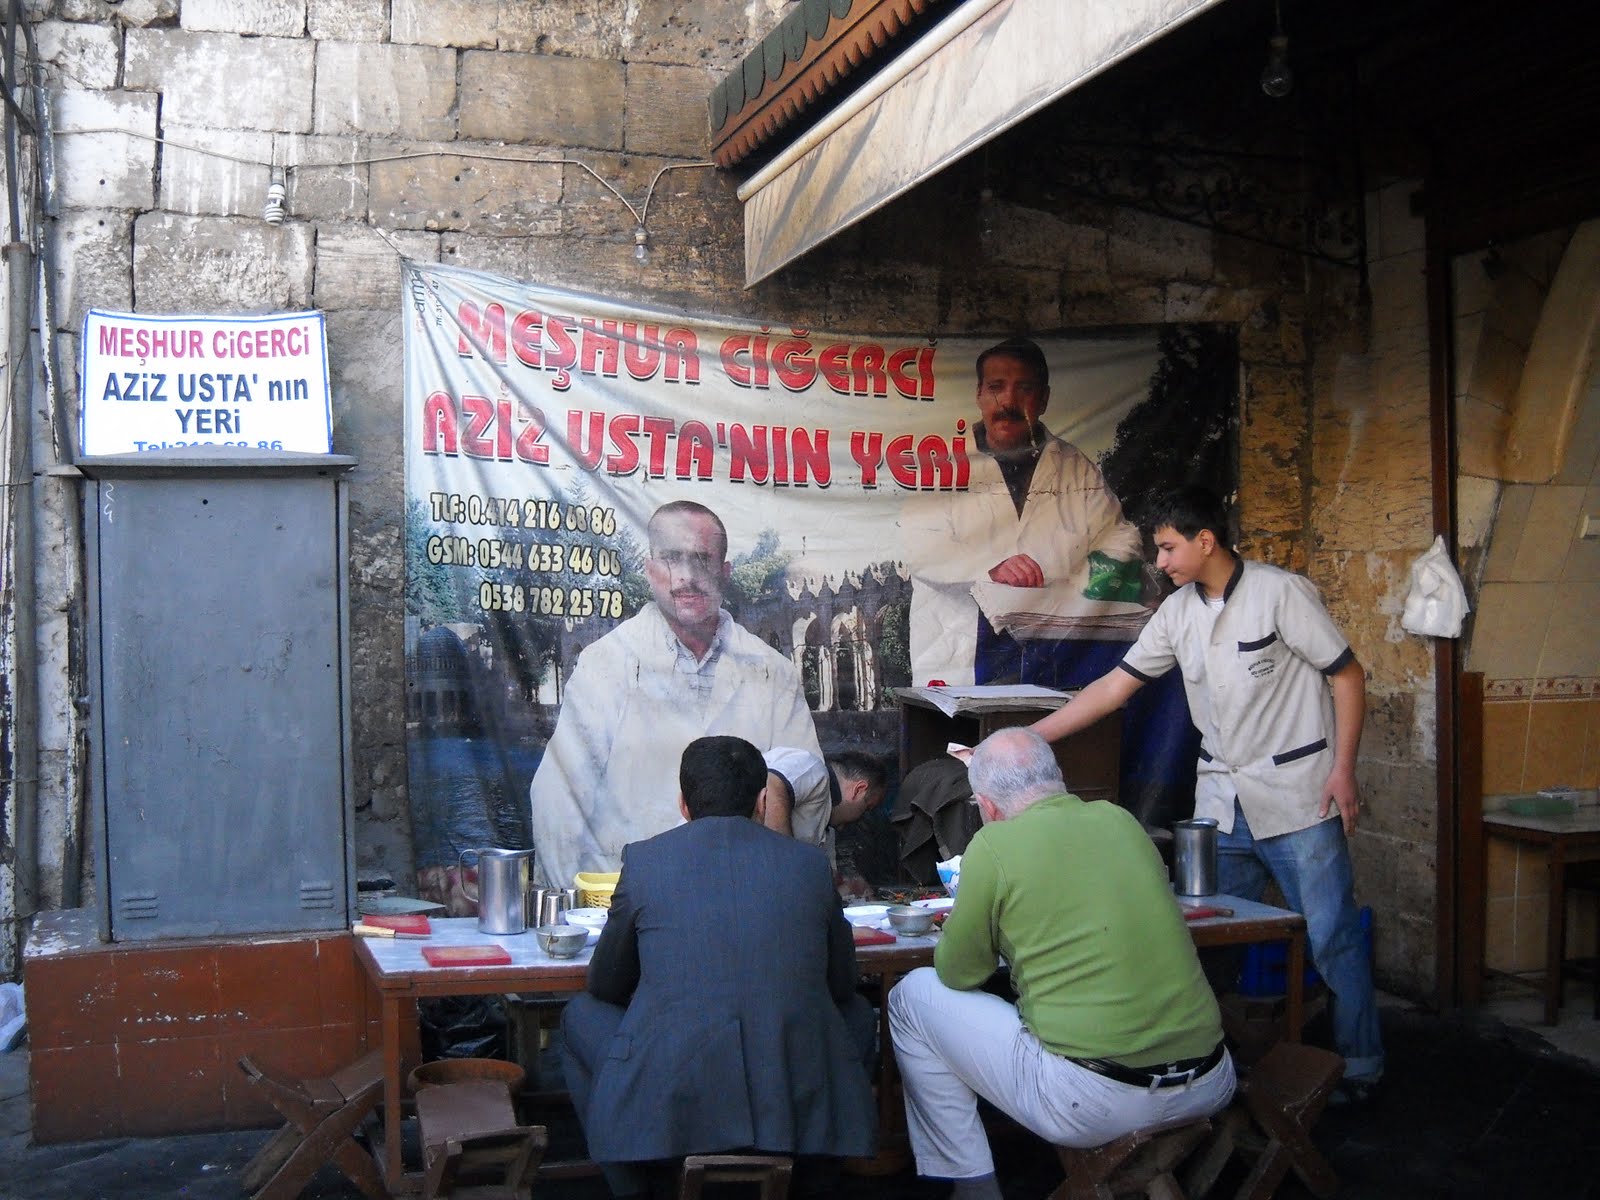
472,1145
1140,1163
1282,1098
771,1171
321,1117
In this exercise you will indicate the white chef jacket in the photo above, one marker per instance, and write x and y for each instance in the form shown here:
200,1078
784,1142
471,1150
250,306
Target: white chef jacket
609,775
1256,675
811,781
952,541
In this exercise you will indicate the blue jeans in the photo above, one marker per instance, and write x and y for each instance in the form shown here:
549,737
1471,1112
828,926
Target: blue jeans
1312,869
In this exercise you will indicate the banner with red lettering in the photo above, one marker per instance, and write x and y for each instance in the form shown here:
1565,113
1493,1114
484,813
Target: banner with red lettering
159,382
628,526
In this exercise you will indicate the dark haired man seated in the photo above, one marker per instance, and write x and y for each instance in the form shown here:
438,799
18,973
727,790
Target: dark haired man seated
721,1011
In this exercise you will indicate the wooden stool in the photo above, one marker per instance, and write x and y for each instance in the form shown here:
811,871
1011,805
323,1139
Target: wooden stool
321,1116
1140,1163
472,1145
1271,1120
771,1171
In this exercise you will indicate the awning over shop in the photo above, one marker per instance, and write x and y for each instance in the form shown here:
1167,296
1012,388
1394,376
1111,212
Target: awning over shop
985,67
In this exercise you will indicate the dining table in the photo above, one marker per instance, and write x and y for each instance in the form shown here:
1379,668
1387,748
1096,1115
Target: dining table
402,975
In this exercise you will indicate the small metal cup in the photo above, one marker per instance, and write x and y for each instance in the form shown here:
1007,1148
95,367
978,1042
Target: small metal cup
1194,857
551,905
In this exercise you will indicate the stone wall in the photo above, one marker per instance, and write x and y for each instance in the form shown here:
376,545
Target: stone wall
405,128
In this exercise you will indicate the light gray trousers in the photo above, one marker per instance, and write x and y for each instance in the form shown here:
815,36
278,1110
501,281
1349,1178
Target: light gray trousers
952,1047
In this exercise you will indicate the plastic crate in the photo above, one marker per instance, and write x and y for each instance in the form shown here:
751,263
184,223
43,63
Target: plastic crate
1266,964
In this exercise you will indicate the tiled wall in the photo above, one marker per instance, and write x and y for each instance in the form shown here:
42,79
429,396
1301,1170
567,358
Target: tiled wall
130,1040
1534,582
1530,743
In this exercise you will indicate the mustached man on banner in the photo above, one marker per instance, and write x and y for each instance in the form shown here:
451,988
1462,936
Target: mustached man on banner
1037,546
680,669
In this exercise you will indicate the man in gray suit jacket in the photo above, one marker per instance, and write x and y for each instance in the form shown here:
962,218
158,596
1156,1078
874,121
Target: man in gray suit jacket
721,1011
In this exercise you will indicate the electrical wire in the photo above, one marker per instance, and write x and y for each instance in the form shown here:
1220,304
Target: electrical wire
639,213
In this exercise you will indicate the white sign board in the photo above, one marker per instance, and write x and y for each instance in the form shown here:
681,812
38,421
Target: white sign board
152,383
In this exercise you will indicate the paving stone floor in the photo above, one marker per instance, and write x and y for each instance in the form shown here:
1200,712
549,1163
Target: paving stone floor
1470,1108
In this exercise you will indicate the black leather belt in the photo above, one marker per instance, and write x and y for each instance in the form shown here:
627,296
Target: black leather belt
1173,1074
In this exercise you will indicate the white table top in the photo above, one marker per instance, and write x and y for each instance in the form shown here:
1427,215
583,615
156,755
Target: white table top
403,956
397,956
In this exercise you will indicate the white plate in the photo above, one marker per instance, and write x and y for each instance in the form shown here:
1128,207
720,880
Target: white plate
936,903
592,918
865,914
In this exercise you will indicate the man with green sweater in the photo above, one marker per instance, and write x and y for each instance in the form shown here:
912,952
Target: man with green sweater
1114,1027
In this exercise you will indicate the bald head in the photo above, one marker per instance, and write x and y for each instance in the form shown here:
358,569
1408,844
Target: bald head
1012,768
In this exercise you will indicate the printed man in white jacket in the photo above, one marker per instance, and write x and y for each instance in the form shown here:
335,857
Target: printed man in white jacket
1036,543
681,668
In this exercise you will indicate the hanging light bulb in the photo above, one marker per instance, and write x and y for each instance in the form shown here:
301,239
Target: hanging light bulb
272,212
641,252
1276,77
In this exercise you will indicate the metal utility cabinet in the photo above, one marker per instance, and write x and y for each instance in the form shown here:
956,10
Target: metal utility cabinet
219,678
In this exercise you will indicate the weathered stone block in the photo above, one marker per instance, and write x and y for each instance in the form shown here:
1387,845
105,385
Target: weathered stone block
327,177
1381,431
221,80
467,24
1200,302
357,267
133,13
1374,861
1017,236
378,90
1399,300
484,195
1271,493
220,265
576,29
1273,413
1390,734
1476,500
1365,593
105,170
1148,247
691,204
717,35
93,264
259,18
77,55
536,98
667,111
899,299
201,171
1006,298
1091,300
365,374
347,20
1245,263
534,258
1407,952
1401,804
589,207
704,277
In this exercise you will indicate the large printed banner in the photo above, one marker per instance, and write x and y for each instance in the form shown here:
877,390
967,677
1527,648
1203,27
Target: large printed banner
628,527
